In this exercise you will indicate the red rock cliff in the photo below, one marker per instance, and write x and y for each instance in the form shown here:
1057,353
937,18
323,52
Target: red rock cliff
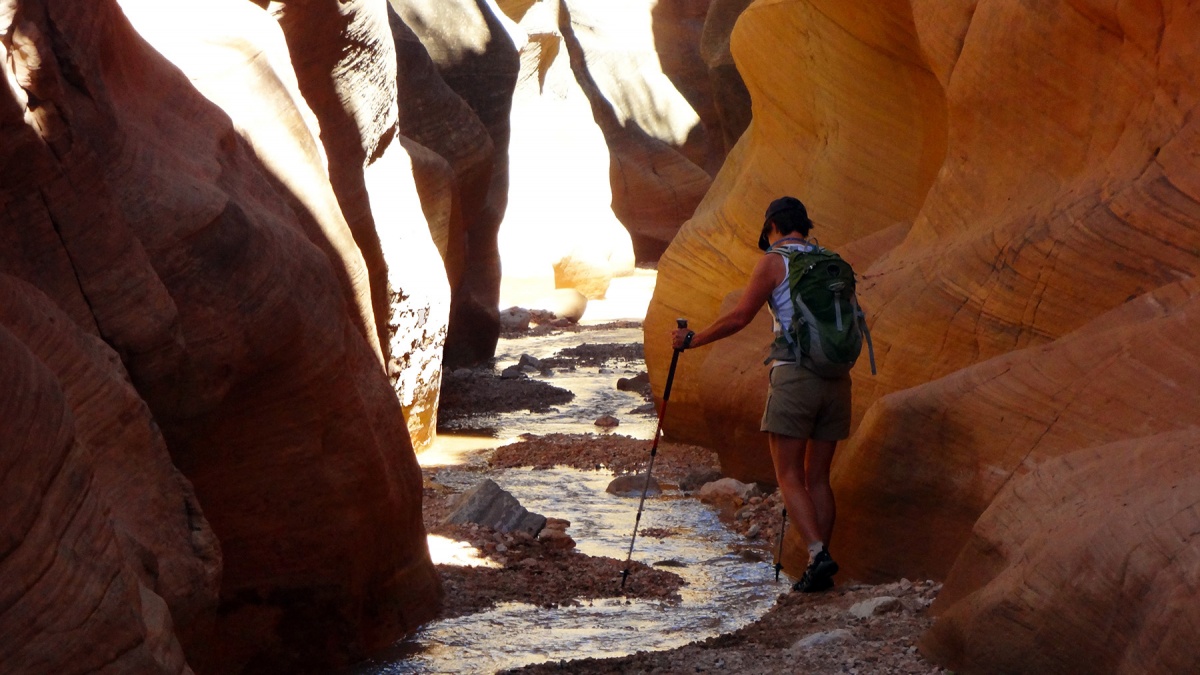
211,317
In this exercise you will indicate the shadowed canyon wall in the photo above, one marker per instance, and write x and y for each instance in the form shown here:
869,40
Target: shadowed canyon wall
238,245
210,464
1016,185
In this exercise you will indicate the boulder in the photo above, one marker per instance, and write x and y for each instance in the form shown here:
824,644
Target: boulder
562,303
874,607
489,505
698,478
554,534
515,319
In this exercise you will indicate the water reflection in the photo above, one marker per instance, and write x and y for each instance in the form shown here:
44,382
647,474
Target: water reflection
724,591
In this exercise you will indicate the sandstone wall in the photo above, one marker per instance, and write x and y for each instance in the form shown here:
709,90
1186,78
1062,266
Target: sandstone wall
622,55
94,564
862,169
1016,185
476,63
218,312
1058,538
587,138
353,92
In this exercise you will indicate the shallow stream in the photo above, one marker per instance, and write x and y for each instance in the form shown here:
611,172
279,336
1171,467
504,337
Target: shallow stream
724,590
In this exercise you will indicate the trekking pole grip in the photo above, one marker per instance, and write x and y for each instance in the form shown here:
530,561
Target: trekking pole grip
681,323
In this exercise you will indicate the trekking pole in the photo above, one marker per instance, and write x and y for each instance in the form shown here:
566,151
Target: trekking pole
681,323
779,555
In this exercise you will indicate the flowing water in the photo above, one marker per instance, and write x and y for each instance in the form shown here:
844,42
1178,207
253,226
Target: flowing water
724,590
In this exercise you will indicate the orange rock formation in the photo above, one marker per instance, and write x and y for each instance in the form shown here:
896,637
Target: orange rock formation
1017,186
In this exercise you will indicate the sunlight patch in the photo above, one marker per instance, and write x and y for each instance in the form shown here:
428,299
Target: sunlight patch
445,551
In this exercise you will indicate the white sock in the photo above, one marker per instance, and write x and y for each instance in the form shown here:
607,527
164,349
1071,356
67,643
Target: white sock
815,548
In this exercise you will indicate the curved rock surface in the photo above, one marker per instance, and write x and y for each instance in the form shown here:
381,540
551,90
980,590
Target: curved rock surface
476,63
1016,185
141,210
95,566
815,138
1110,530
658,144
560,230
346,66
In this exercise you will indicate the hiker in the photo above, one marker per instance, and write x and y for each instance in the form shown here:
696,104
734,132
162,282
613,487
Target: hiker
806,413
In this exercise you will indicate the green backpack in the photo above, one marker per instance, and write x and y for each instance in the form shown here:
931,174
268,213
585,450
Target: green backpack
828,327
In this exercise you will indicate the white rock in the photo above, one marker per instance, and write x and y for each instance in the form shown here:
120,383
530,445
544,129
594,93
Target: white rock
727,488
874,606
563,303
514,318
837,636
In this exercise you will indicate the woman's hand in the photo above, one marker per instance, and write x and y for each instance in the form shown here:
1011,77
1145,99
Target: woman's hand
679,338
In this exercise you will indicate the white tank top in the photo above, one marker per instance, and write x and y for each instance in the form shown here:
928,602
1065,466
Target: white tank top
780,300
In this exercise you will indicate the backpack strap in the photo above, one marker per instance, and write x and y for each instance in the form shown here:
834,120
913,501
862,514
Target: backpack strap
861,317
791,255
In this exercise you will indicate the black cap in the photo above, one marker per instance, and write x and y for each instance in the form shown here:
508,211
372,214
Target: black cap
784,204
779,206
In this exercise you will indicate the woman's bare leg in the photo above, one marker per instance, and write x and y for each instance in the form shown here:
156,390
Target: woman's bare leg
819,459
787,453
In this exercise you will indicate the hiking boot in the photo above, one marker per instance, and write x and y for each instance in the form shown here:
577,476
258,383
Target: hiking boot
819,575
818,586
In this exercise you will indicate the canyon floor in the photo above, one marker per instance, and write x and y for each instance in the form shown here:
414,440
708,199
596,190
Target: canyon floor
853,628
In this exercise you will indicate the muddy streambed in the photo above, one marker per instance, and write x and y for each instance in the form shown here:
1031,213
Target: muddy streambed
727,584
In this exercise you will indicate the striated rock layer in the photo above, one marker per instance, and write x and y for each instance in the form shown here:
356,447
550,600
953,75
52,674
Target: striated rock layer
1016,184
1060,537
99,572
170,231
791,147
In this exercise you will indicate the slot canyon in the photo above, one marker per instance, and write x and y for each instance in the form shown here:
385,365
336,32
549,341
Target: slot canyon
244,244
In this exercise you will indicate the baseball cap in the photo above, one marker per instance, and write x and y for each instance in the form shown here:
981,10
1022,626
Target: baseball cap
776,207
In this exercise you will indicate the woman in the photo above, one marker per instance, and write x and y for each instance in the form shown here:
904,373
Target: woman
806,415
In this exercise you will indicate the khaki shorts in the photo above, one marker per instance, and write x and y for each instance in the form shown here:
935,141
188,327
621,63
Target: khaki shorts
802,404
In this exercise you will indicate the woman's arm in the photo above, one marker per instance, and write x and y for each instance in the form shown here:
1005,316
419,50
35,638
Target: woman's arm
766,276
